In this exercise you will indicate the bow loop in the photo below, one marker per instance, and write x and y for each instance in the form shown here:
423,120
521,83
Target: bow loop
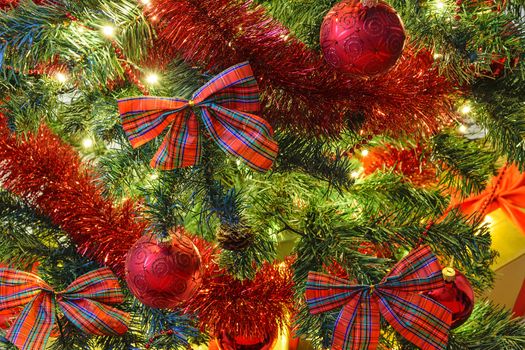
84,302
224,106
326,292
419,319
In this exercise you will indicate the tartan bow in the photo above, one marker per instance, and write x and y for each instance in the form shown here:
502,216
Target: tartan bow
419,319
83,302
223,106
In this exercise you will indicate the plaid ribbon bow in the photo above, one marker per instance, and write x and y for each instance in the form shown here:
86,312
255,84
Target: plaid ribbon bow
419,319
223,105
83,302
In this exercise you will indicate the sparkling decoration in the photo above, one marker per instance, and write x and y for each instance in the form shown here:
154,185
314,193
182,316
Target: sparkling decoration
215,34
228,342
362,40
248,308
163,274
234,237
410,161
43,170
457,296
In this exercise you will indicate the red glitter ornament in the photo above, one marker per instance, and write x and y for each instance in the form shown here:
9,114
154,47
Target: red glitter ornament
457,296
227,342
162,274
361,40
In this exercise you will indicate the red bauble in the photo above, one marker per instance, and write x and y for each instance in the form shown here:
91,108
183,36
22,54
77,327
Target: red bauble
163,274
360,40
457,296
229,342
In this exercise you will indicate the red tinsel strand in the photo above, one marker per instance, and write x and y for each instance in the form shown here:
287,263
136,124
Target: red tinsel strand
410,162
47,172
254,308
298,88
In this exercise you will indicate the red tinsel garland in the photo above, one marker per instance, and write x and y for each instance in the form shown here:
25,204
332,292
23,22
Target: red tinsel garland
254,308
410,162
299,88
8,4
47,172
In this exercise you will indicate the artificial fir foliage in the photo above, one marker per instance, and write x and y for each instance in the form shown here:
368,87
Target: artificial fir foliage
76,195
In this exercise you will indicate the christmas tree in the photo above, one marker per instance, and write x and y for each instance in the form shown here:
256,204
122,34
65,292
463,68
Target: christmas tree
180,173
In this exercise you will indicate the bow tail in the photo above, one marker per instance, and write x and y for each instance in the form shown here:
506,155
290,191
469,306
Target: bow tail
358,325
420,320
181,146
33,326
95,318
243,135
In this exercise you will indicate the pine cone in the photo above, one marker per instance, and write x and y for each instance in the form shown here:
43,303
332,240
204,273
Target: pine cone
235,237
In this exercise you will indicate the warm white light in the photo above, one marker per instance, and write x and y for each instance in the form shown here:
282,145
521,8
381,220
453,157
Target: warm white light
108,31
488,220
87,143
440,5
152,79
145,2
61,77
354,174
154,176
462,129
437,56
364,152
466,109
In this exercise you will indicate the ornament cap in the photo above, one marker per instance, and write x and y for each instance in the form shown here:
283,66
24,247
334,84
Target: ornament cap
191,103
370,3
449,274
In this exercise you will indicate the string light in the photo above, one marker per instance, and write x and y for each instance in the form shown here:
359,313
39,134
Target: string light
145,2
354,174
489,220
152,79
364,152
437,56
108,31
87,143
465,109
60,77
440,5
462,129
154,176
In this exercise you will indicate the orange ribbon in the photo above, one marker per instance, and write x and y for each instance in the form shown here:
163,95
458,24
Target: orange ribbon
506,191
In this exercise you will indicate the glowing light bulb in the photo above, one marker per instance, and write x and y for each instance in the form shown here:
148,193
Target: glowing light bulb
440,5
437,56
152,79
462,129
87,143
154,176
354,174
364,152
145,2
488,220
60,77
108,31
465,109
